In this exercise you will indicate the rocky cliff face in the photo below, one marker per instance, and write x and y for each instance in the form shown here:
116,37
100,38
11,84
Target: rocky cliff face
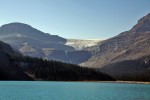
129,45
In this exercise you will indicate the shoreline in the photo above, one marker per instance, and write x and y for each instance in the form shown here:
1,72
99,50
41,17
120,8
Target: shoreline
133,82
119,81
125,82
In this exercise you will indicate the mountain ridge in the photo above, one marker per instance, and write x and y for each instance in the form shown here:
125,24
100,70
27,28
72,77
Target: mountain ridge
25,29
115,49
125,46
35,43
129,47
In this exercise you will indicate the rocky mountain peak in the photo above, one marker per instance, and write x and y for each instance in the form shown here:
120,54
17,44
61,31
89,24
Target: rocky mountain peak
147,17
15,24
22,29
17,27
128,45
143,24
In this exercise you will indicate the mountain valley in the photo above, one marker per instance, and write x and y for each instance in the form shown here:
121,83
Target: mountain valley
120,56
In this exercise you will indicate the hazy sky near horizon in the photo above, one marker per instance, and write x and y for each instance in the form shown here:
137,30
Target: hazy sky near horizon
80,19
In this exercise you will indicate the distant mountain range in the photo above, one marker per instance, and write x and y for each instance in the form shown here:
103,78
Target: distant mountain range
32,42
129,46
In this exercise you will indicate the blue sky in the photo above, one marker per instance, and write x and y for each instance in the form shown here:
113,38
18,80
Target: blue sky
80,19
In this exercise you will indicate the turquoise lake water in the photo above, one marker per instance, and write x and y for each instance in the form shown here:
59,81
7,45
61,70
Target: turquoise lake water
35,90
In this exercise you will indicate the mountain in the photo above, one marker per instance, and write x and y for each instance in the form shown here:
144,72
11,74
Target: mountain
128,45
124,57
14,66
8,71
19,35
32,42
24,30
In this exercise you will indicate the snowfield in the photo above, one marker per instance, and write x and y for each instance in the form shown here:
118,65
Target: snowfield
81,44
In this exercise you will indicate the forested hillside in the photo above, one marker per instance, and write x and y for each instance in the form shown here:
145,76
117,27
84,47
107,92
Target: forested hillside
40,69
129,70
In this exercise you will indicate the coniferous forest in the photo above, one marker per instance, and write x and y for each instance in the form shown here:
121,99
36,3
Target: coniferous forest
40,69
129,70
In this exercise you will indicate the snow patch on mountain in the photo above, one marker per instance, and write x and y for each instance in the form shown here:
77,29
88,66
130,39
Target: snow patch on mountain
82,44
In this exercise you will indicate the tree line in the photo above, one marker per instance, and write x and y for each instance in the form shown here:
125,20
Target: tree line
129,70
44,69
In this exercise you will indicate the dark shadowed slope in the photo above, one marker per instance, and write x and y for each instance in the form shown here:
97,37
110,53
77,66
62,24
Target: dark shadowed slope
129,70
7,70
41,69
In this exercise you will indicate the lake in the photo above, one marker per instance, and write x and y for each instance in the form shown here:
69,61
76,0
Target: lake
37,90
